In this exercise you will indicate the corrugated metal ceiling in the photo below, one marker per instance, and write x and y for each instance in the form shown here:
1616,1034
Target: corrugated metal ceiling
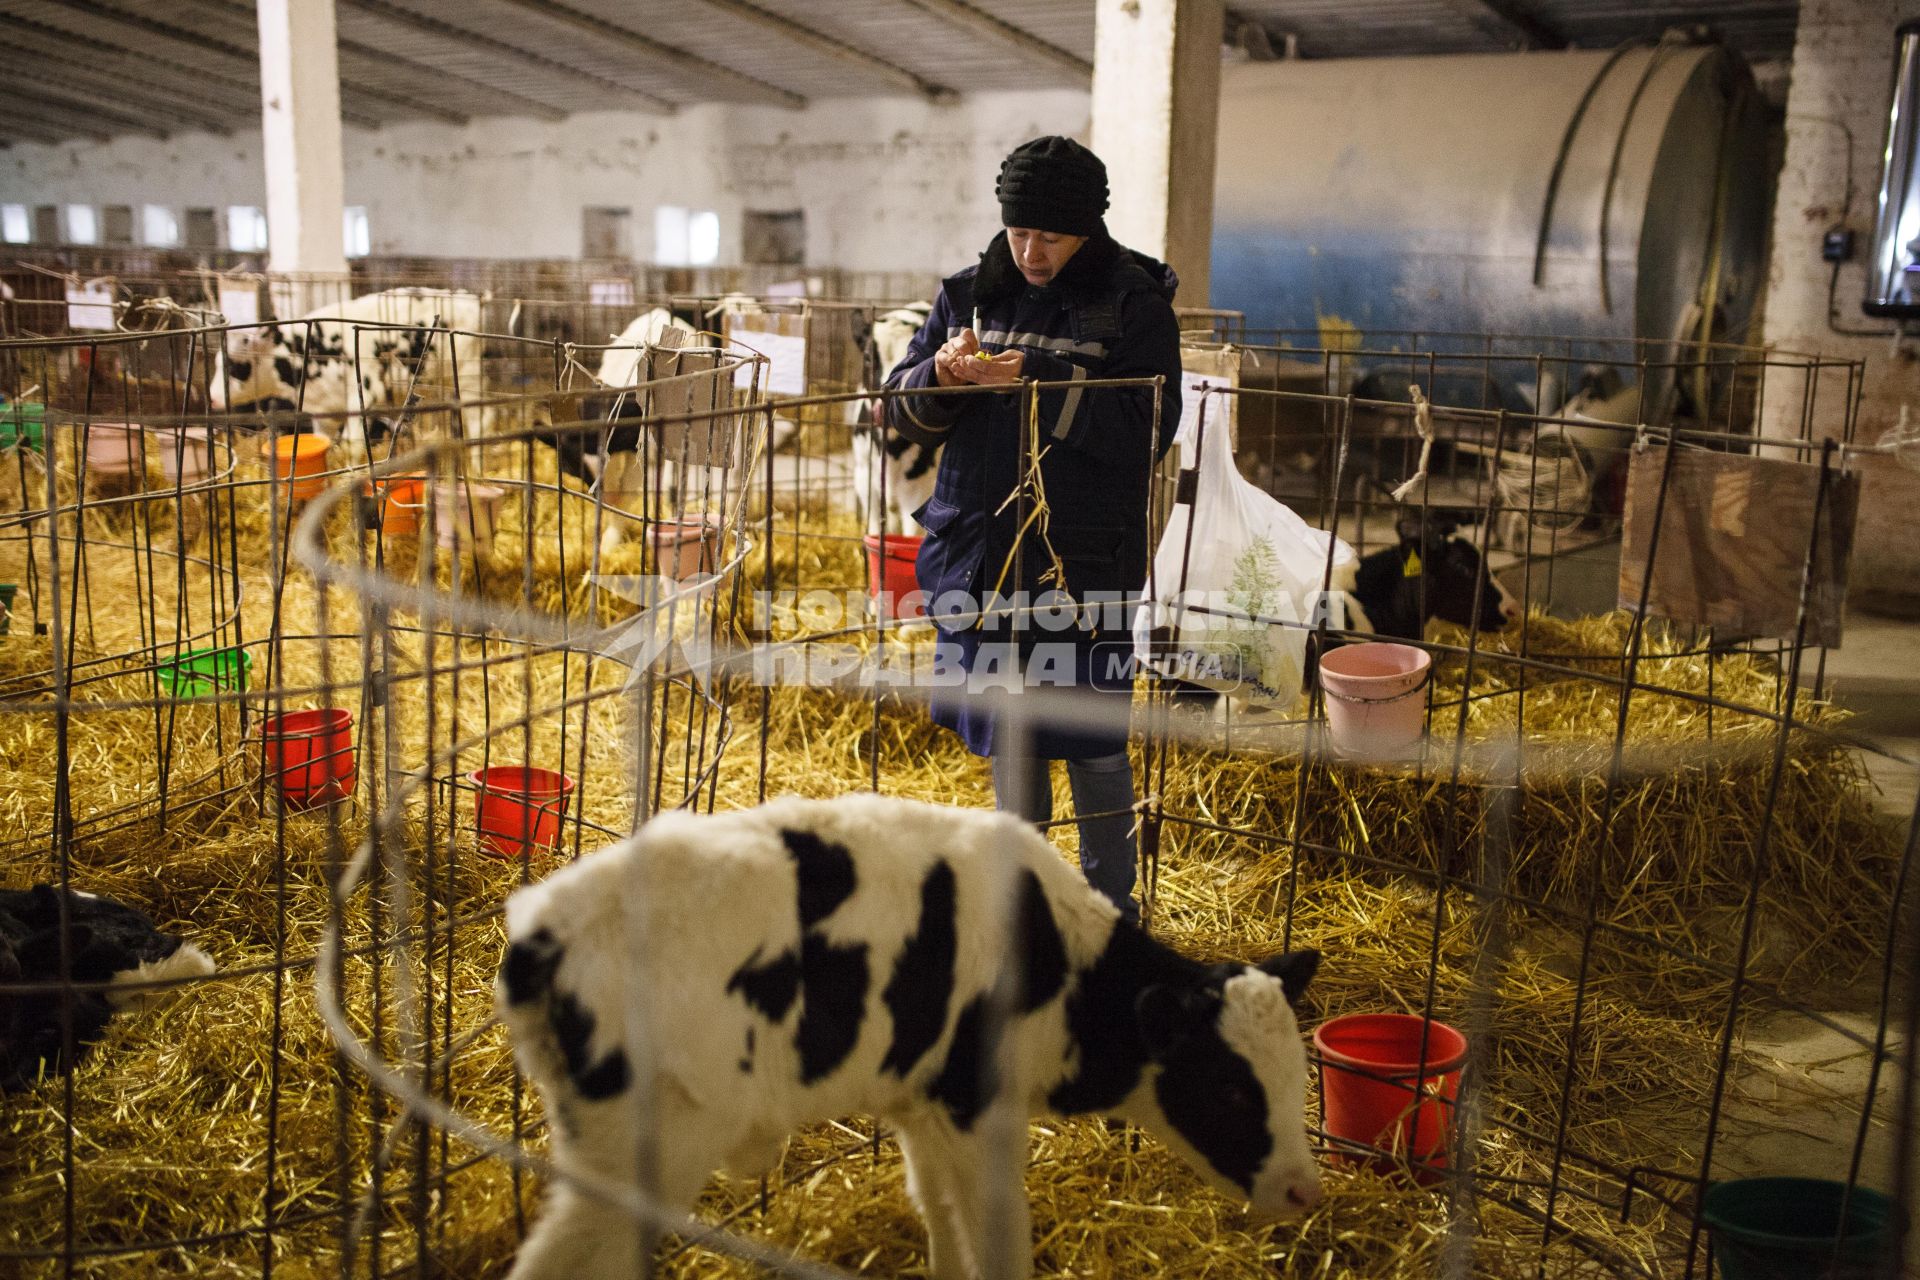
113,66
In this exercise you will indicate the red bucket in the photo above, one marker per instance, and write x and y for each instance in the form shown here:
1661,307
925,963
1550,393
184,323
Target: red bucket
1377,1094
892,583
310,754
519,809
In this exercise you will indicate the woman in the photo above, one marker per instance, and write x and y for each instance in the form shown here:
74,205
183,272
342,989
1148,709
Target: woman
1054,299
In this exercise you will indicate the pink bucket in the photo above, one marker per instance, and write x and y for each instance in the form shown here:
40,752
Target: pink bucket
685,548
465,514
1376,698
113,448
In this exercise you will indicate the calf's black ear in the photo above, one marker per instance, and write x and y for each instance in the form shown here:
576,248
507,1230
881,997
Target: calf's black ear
1295,969
1171,1017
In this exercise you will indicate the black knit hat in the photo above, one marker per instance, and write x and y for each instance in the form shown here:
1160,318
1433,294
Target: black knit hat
1052,184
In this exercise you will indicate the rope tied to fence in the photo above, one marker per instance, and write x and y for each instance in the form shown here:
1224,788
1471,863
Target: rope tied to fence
1422,423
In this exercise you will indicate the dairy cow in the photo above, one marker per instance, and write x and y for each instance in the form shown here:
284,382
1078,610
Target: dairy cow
339,359
810,959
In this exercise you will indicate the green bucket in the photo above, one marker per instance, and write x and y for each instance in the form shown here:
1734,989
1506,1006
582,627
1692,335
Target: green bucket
1792,1229
23,422
199,672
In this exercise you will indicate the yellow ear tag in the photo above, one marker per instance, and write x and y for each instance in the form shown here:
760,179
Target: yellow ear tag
981,355
1411,569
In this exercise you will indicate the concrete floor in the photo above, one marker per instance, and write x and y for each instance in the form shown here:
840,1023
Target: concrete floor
1800,1112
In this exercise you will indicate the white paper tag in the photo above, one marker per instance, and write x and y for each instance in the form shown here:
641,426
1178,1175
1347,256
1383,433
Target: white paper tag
787,371
90,307
240,303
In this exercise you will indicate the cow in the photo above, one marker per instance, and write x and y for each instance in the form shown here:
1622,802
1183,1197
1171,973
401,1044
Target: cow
110,947
338,360
809,959
910,467
1430,573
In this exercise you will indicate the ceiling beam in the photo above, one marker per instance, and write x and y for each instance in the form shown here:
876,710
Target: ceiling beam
510,103
31,66
1510,22
14,114
251,57
36,132
961,14
82,110
410,68
872,64
141,67
238,96
500,48
667,55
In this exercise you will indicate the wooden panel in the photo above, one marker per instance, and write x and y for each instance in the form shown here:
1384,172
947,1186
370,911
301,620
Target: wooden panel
1734,540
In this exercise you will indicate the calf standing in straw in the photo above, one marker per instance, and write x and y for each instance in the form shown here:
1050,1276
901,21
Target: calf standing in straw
851,967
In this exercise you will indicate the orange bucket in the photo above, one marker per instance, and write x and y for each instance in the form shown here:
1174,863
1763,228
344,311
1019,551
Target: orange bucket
301,461
310,755
518,809
1389,1081
404,501
890,576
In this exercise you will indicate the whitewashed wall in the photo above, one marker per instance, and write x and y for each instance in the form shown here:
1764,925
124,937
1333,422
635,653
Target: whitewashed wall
887,184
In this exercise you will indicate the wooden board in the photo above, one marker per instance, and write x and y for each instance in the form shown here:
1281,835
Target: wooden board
1734,539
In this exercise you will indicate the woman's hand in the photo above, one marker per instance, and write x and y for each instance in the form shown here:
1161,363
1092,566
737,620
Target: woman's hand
991,371
955,350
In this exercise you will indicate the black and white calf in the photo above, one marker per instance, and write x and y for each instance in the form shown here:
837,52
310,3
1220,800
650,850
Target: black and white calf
910,467
610,458
339,361
1430,574
108,943
812,959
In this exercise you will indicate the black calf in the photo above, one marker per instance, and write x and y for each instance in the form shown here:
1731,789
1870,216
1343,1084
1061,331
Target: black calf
106,941
1431,574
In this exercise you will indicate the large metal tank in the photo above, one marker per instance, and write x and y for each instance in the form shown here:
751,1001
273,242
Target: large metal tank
1486,193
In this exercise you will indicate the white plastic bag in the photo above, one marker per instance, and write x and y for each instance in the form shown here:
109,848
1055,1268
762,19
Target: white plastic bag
1253,566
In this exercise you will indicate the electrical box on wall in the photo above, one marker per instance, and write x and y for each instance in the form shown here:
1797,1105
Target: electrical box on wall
1893,260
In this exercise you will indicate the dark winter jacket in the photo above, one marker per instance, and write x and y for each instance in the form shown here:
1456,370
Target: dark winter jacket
1108,314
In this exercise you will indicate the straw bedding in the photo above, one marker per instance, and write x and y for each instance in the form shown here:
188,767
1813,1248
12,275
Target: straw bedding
175,1114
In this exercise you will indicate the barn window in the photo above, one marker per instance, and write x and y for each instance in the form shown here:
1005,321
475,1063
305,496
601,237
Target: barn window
670,236
778,238
703,239
16,227
246,228
158,226
116,224
358,236
83,224
46,224
685,238
203,229
606,233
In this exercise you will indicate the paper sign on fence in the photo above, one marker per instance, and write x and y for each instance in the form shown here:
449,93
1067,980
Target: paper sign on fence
90,307
240,303
787,357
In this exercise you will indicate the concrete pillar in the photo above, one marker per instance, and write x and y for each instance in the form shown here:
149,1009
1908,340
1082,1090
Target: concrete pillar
1836,125
300,130
1156,113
